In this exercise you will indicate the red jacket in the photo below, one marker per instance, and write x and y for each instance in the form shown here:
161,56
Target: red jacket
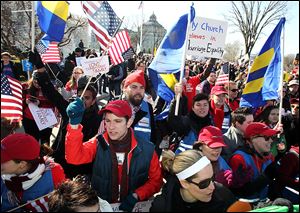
190,89
79,153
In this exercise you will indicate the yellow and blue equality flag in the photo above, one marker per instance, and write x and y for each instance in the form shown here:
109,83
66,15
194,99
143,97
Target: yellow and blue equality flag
52,18
164,70
264,77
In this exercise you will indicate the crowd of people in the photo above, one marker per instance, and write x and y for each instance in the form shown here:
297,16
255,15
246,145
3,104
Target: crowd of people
208,156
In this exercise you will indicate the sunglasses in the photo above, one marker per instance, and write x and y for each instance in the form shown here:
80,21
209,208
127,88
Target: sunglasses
204,183
234,90
295,106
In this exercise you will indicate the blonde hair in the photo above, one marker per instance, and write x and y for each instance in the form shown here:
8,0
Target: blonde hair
72,80
175,164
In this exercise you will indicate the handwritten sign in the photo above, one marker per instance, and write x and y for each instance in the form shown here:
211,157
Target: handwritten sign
95,66
206,38
142,206
43,117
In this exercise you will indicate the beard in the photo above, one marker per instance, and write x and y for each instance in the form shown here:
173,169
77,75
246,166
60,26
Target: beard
135,101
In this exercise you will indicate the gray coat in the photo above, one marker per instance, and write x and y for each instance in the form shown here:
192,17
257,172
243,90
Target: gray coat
234,139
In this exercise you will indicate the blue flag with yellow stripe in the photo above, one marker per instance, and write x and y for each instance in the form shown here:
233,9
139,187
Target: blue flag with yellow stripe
264,77
164,70
52,18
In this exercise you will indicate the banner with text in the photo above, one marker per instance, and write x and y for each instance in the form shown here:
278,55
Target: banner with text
206,38
95,66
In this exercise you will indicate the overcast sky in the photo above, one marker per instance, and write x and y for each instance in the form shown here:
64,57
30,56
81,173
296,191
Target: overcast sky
167,14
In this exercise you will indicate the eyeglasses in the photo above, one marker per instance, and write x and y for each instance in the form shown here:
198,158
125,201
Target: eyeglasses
204,183
234,90
294,106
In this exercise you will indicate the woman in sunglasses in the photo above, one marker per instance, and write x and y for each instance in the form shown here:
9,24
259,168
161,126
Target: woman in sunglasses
190,186
210,143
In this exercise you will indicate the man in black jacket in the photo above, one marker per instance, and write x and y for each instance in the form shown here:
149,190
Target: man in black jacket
90,122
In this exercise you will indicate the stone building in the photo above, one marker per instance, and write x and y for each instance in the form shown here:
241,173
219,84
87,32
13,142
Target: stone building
153,33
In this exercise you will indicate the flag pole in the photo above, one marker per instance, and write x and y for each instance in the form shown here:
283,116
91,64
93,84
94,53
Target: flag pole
105,53
32,32
281,78
183,63
141,37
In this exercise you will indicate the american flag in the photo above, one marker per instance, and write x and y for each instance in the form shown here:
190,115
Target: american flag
38,205
11,98
52,53
102,19
222,79
120,43
41,46
128,54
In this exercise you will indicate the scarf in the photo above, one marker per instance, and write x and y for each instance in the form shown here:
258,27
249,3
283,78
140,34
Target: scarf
218,114
197,122
17,184
122,146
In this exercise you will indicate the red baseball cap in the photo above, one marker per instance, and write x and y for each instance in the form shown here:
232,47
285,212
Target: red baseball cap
211,136
19,146
120,108
136,76
257,128
217,90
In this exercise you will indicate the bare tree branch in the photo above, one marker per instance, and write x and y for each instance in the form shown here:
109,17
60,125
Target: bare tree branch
252,17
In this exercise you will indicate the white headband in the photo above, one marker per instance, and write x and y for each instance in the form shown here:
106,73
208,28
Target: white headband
193,169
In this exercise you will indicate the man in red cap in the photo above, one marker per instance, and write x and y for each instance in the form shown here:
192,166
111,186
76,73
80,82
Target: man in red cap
134,91
126,168
26,175
253,165
219,109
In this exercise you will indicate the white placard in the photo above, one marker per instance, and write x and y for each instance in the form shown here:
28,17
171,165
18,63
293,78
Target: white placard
95,66
43,117
78,60
206,38
142,206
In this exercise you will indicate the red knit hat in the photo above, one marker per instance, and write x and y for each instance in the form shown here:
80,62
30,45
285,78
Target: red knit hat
136,76
19,146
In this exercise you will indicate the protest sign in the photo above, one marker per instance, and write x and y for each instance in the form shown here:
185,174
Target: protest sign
142,206
95,66
206,38
43,117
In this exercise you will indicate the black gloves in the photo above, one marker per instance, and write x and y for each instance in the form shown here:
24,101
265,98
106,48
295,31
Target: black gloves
35,59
